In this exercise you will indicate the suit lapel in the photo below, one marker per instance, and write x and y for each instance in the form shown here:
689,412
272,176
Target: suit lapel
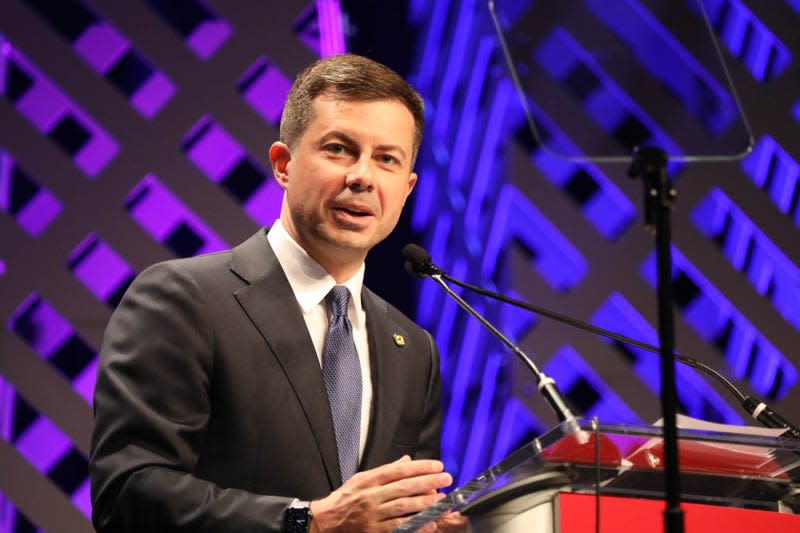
271,305
389,378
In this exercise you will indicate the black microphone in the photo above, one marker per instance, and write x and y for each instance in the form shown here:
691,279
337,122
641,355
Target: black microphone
418,263
767,416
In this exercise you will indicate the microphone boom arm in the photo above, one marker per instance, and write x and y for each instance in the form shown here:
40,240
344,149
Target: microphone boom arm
418,263
546,384
756,408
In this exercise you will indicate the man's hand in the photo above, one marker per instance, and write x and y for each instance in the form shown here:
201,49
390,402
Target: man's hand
381,499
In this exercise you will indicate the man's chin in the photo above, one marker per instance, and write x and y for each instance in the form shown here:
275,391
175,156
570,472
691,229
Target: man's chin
350,242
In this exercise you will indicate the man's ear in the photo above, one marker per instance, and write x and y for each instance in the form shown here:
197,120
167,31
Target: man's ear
412,180
279,157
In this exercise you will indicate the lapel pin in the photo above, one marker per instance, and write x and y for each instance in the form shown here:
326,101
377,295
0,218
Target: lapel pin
399,339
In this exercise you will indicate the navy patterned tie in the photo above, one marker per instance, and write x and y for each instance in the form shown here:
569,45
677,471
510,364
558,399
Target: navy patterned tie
342,374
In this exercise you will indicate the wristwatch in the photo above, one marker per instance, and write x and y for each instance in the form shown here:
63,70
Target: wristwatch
297,518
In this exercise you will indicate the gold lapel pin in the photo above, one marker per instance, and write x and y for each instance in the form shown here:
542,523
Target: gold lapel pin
399,339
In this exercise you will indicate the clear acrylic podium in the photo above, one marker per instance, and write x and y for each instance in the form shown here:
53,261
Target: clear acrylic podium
616,471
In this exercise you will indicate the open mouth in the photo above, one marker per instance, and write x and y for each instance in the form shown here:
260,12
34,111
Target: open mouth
354,212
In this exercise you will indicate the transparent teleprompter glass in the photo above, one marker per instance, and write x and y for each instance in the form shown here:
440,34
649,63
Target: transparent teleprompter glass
600,79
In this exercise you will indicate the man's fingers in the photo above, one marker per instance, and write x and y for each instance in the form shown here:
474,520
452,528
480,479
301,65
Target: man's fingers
416,486
385,495
401,469
406,506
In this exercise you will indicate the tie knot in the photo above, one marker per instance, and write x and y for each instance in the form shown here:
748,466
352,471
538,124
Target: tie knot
338,299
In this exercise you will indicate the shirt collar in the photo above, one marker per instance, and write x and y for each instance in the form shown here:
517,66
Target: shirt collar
309,281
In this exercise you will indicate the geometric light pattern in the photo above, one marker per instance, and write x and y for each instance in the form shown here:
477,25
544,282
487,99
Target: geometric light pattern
170,221
109,53
498,210
752,252
31,205
51,112
225,162
777,172
132,132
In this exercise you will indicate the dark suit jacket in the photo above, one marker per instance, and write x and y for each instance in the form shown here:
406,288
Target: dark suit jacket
210,409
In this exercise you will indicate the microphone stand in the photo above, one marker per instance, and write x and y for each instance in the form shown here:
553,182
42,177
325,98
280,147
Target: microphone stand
650,163
546,385
756,408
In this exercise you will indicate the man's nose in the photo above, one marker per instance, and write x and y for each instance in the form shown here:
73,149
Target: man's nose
360,176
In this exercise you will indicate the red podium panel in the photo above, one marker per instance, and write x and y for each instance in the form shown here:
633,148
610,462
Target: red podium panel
732,479
577,515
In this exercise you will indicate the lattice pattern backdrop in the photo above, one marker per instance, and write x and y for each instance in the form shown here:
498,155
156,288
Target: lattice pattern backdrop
131,132
135,131
501,212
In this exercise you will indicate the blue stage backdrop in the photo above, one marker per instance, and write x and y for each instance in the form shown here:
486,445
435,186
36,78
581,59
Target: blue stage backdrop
132,132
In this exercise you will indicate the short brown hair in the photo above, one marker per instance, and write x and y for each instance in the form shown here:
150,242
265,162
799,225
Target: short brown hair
351,78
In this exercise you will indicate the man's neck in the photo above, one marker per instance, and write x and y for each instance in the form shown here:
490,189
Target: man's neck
339,270
341,264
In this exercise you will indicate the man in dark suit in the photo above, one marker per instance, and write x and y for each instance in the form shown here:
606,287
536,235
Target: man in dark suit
213,406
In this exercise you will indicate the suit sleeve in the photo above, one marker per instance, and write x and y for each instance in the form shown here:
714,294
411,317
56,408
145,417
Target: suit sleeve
429,446
152,408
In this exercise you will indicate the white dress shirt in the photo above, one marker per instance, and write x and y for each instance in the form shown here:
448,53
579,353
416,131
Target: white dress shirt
310,284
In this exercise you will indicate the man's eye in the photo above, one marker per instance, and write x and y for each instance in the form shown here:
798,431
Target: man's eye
389,160
335,148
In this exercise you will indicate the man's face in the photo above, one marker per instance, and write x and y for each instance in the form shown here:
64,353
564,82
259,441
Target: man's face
347,178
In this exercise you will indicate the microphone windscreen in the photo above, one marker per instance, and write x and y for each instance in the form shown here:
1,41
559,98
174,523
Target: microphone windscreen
418,262
416,255
410,269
